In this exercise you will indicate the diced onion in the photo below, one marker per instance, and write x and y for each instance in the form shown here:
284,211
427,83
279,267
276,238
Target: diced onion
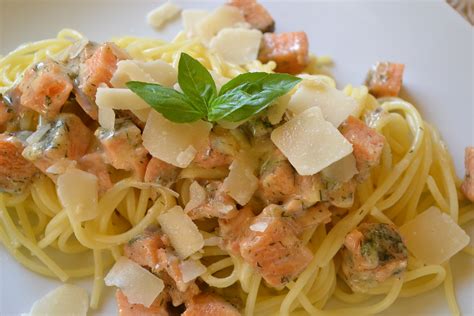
139,285
183,233
197,196
161,15
67,299
236,45
167,140
310,142
38,134
433,236
78,194
191,269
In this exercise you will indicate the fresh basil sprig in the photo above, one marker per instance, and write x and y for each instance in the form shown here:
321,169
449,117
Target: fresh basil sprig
240,98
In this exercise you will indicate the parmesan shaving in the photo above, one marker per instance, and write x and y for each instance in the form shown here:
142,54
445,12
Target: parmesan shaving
139,285
67,299
342,170
191,269
106,118
310,142
433,236
129,70
241,183
78,194
161,15
183,233
223,17
236,45
197,196
191,18
334,104
119,99
61,166
167,140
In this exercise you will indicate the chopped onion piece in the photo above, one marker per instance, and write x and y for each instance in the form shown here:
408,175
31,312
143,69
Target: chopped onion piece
38,134
197,196
61,166
183,233
67,299
236,45
163,14
342,170
191,18
223,17
191,269
139,285
119,99
78,194
433,236
167,140
335,105
241,183
310,142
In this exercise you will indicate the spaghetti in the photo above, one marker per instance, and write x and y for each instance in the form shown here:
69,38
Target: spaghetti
411,177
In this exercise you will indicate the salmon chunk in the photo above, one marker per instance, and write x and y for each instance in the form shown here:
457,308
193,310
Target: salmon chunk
289,50
210,305
216,204
366,142
67,138
123,147
45,88
218,152
94,164
97,68
16,173
277,180
272,247
157,308
255,14
372,253
178,297
385,79
467,186
143,249
340,194
233,229
6,114
160,172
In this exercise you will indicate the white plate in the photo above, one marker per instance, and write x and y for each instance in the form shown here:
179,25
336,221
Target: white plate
434,42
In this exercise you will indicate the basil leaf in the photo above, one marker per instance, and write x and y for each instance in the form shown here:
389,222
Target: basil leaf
174,105
196,82
249,94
